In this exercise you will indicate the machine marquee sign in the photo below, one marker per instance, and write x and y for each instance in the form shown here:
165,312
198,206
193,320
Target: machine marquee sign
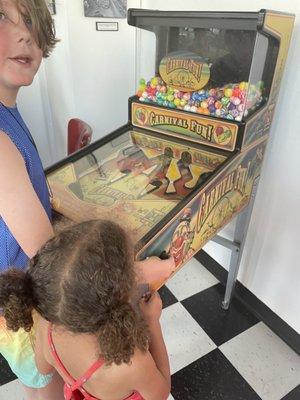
199,129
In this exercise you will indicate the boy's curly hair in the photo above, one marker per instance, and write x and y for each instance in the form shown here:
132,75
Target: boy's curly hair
82,279
42,24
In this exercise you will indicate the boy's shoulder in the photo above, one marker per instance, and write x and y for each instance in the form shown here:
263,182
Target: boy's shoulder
7,145
10,156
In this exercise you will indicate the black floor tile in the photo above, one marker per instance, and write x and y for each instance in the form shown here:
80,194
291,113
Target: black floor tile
5,373
220,325
167,297
212,377
293,395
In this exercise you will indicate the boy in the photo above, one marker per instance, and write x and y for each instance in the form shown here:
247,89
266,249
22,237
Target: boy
26,36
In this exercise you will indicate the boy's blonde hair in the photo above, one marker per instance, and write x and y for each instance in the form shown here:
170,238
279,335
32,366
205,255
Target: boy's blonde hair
42,24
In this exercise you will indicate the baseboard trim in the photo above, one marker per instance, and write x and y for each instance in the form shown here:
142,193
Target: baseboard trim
256,306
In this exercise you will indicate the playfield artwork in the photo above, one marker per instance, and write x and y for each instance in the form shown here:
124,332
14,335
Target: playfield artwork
140,182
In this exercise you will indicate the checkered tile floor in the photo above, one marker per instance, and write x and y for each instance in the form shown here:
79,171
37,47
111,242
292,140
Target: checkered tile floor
214,354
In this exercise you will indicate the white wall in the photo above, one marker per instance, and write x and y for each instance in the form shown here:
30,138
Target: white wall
271,265
91,75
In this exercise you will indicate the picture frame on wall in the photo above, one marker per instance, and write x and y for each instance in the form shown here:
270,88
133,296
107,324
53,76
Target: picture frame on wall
105,8
51,6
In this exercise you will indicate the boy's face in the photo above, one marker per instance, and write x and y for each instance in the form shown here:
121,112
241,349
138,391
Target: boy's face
20,57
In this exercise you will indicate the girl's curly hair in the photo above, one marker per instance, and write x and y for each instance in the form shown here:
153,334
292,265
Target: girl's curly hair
82,279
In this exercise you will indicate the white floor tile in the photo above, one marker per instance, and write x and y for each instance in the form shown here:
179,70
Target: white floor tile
191,279
12,391
186,341
265,361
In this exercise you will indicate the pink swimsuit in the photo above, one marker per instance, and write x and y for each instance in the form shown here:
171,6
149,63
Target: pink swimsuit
74,389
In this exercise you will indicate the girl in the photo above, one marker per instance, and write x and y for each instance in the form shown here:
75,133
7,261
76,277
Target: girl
78,290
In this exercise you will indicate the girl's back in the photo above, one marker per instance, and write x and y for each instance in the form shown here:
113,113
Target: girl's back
78,353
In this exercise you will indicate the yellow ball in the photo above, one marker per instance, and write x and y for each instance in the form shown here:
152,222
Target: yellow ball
228,92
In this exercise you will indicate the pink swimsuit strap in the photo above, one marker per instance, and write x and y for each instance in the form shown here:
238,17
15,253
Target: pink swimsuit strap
74,384
77,384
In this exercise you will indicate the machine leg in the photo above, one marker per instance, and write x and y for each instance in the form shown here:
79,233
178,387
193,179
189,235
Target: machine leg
240,233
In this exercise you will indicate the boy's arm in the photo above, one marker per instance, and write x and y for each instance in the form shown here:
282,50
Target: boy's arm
20,207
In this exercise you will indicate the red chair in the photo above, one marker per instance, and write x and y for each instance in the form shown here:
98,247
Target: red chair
79,135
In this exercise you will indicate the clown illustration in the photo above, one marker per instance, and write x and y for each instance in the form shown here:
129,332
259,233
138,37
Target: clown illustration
180,247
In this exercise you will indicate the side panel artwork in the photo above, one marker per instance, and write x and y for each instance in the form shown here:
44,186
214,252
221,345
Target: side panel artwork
210,210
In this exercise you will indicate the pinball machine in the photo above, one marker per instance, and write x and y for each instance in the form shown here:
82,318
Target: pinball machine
186,162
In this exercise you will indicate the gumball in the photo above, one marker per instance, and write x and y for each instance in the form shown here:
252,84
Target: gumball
187,108
225,101
141,99
212,92
144,95
236,92
182,102
235,100
142,81
234,113
228,92
220,94
163,89
177,102
205,111
204,104
193,108
170,97
241,107
238,118
186,96
218,104
210,100
154,82
212,109
243,85
218,112
223,113
229,116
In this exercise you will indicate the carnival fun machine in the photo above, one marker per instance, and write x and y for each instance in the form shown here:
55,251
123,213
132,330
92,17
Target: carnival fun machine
189,159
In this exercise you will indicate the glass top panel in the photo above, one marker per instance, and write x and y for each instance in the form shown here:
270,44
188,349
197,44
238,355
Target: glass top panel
216,71
136,179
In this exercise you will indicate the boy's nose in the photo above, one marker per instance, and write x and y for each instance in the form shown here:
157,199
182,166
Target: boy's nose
23,32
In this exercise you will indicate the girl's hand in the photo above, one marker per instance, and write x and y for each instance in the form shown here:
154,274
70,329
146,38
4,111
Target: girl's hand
150,307
153,269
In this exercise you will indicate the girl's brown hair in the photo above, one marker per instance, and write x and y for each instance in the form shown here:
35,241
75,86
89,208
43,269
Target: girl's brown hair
82,279
37,14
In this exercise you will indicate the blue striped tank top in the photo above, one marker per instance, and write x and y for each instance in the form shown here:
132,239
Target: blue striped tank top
12,124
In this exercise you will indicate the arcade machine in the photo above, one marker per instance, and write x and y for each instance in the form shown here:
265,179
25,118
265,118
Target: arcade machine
189,159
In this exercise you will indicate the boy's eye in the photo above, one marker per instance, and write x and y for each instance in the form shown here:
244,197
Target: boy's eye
2,16
28,21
